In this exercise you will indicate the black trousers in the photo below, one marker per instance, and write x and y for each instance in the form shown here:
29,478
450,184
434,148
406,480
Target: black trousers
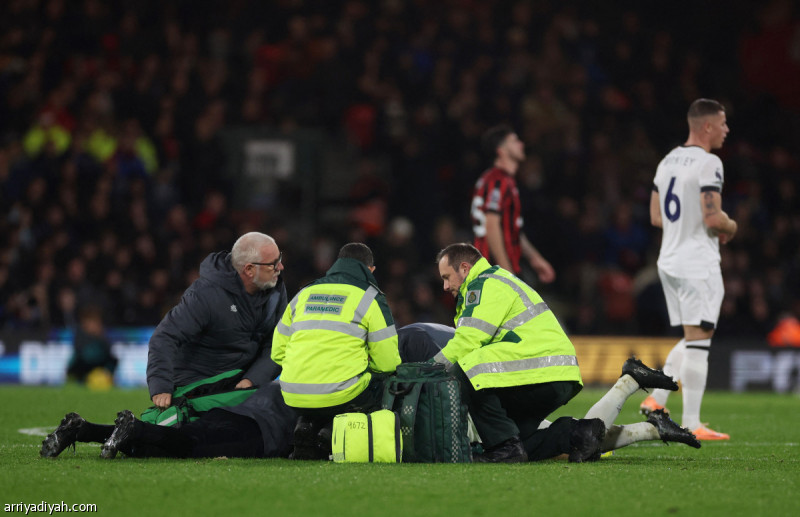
216,433
502,413
365,402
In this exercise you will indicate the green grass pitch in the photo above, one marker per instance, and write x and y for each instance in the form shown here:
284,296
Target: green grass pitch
756,473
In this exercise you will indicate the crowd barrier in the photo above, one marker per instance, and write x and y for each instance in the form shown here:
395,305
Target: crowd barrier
41,357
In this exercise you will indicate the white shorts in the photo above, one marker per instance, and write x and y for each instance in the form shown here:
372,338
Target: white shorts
693,301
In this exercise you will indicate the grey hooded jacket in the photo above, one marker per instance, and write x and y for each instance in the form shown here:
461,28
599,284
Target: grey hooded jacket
216,327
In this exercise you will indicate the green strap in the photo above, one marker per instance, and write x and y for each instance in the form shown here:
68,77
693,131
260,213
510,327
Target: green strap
408,417
398,440
370,439
208,380
389,393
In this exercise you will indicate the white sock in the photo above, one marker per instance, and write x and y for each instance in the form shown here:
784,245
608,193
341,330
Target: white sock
672,367
608,407
694,372
621,435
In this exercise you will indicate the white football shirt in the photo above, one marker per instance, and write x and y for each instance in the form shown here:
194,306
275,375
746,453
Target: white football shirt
688,248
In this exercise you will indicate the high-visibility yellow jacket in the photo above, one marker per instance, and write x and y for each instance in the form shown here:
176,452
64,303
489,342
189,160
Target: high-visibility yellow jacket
506,335
332,334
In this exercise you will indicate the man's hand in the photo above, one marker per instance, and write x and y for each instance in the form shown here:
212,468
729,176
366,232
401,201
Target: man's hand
244,383
543,268
540,265
726,237
162,400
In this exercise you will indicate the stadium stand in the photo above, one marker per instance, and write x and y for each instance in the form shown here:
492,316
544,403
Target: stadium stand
111,148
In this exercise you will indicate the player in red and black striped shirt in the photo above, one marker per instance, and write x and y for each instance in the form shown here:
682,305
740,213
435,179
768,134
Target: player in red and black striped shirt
496,214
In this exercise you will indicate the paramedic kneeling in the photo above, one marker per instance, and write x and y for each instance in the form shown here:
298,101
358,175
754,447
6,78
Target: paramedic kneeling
336,343
515,363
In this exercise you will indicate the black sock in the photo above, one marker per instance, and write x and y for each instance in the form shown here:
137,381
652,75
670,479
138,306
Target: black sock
90,432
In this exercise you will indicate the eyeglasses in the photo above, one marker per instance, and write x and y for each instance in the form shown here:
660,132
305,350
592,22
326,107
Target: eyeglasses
273,264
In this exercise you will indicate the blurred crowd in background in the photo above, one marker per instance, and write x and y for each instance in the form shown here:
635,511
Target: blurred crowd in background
110,152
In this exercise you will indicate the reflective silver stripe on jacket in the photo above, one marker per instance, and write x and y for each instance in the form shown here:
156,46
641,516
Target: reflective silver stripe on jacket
351,329
440,358
522,364
363,305
284,329
522,294
293,304
301,388
281,327
520,319
380,335
525,316
531,309
477,323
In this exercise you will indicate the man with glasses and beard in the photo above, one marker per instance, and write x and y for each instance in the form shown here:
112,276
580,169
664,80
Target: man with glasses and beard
217,341
223,322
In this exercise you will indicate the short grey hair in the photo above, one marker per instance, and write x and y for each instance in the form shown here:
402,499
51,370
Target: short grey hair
247,249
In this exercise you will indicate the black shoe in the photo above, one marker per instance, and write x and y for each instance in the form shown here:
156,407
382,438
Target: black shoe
310,440
313,453
325,439
586,439
647,377
123,432
669,431
509,451
64,436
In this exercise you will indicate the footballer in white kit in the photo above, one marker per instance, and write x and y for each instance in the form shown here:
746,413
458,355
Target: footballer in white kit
687,204
689,261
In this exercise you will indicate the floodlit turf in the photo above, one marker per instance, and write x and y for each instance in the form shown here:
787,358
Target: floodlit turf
756,473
